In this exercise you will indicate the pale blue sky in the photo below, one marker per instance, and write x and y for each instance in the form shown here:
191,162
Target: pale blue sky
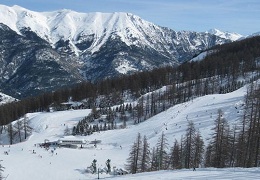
241,16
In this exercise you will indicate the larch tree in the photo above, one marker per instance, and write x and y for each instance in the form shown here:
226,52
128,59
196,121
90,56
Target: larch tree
208,156
146,154
162,146
154,159
252,126
220,142
18,127
134,158
198,150
175,156
189,145
10,131
26,127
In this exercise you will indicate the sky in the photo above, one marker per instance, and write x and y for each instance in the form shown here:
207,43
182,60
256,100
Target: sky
241,16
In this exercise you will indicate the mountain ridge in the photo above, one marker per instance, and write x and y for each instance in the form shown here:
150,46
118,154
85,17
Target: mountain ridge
71,25
91,46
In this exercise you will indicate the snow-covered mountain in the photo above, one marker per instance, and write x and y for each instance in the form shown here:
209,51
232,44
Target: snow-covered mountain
225,34
89,46
96,28
254,34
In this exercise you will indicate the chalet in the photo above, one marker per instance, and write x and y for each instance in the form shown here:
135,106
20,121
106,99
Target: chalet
71,143
73,105
66,106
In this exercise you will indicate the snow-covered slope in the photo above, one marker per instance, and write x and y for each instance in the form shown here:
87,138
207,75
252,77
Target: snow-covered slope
5,98
76,27
199,174
71,164
95,27
201,56
226,35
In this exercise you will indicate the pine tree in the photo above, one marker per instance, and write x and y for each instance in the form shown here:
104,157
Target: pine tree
95,112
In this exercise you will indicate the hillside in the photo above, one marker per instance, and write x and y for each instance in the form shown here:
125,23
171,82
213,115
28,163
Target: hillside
72,163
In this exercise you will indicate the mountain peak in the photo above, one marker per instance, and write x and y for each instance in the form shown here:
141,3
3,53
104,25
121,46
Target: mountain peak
18,7
225,34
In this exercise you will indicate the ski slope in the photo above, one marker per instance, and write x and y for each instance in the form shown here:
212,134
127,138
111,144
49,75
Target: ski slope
70,164
199,174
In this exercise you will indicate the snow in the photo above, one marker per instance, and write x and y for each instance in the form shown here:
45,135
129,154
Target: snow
225,35
124,67
71,163
98,28
6,99
70,25
199,174
201,56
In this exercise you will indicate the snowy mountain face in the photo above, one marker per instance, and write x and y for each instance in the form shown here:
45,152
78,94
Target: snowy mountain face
225,35
88,46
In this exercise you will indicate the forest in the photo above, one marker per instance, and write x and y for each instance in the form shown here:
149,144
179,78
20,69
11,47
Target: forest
229,146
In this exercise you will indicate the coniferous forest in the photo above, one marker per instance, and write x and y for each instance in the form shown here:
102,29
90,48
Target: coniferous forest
227,68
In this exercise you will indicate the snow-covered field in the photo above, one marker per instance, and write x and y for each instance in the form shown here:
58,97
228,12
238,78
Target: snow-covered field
70,164
199,174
